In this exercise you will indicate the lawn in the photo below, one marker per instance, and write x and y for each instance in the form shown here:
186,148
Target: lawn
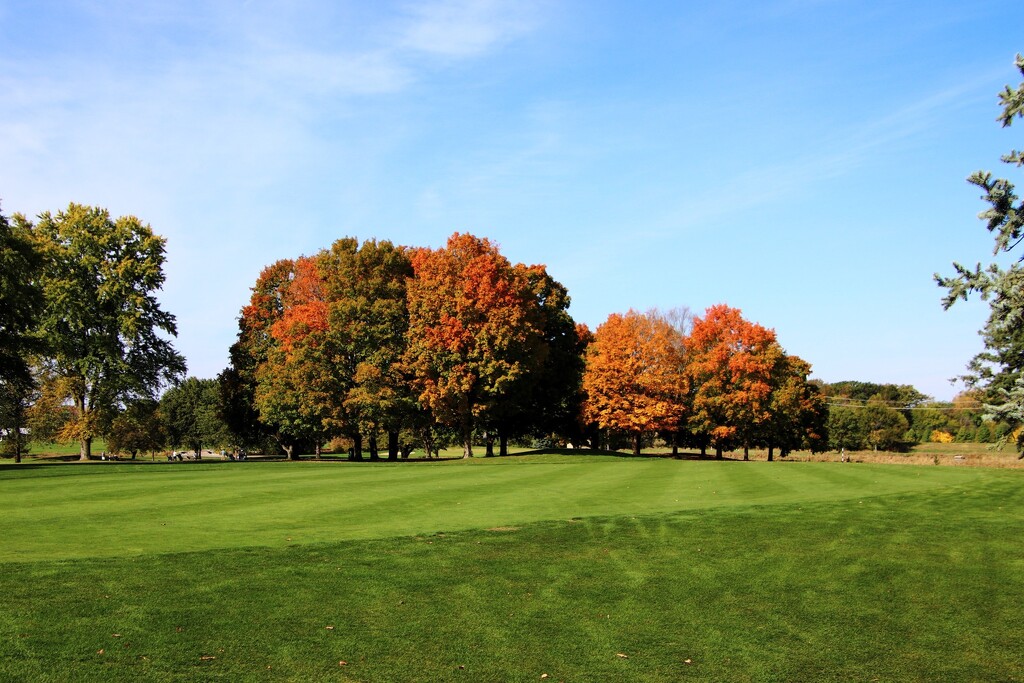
584,568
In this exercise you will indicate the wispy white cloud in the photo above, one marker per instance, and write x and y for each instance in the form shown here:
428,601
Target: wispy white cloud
464,28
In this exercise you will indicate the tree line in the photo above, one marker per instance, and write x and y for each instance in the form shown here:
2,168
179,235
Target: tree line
386,348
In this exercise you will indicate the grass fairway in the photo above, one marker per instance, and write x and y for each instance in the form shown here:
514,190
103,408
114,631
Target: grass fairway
511,568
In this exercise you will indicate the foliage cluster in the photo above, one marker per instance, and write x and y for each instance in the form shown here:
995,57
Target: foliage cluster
717,380
363,340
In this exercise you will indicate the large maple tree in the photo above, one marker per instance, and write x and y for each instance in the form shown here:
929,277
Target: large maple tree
634,380
474,331
729,365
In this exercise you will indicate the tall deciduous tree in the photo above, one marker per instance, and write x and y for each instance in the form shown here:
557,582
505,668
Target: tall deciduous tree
295,387
547,399
473,330
105,330
729,365
1000,367
20,305
21,301
251,350
884,427
634,380
797,412
368,318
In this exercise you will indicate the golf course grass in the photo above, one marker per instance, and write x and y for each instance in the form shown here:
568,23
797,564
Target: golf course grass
583,568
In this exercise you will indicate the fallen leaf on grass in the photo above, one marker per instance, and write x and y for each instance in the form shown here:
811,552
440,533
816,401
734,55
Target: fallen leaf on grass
99,652
687,661
116,635
622,654
543,675
341,662
329,628
206,658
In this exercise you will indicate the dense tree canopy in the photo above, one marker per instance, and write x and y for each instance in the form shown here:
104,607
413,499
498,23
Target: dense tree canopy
729,365
368,319
474,331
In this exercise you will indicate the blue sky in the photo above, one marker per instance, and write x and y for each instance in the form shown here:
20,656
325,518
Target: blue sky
801,160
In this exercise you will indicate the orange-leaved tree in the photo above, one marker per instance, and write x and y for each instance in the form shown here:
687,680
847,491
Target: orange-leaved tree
634,380
250,351
473,330
295,382
729,363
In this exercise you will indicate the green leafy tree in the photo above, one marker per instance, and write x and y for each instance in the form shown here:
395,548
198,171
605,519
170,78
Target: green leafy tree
548,398
191,415
885,428
999,369
368,321
139,427
797,412
21,301
845,429
17,395
104,328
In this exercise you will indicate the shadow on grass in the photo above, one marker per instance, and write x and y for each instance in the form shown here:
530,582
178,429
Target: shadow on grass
585,452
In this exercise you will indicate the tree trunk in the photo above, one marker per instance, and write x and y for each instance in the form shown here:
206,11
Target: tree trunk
289,451
636,443
85,448
392,444
467,438
317,451
675,444
746,452
502,444
374,452
703,450
488,445
771,453
357,446
718,452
